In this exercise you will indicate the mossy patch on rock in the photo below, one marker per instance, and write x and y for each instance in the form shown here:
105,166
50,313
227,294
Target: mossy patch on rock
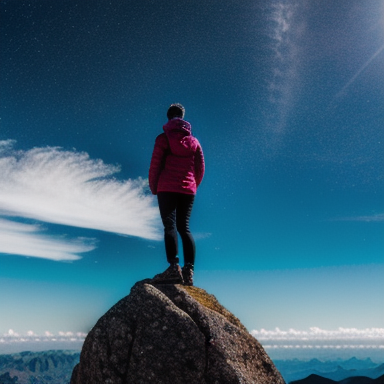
209,301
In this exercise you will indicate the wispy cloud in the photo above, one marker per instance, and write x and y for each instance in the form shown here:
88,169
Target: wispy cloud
202,235
67,187
378,218
284,33
27,240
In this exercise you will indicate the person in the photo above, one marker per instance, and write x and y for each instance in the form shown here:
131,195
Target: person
176,170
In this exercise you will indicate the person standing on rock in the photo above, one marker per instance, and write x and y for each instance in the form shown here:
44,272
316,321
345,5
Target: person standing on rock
176,170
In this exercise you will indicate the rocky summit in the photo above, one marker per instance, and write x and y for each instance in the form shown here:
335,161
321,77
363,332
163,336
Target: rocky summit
172,334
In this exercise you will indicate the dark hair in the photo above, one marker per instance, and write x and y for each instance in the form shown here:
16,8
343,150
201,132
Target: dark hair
175,110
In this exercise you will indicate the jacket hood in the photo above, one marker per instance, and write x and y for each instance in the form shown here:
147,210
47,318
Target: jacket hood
181,141
177,124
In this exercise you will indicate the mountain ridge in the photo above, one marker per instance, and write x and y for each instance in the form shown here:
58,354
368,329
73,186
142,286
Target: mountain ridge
46,367
316,379
293,370
10,365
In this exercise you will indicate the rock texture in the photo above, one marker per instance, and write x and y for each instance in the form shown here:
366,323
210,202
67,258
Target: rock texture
171,334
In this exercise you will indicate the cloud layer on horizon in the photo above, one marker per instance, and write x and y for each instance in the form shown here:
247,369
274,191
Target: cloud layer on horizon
316,333
67,187
317,338
314,338
12,336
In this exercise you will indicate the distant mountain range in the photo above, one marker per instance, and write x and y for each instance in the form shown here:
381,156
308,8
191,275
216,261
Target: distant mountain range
55,367
293,370
48,367
315,379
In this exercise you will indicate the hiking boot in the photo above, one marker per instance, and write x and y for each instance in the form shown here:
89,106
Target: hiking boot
187,272
172,275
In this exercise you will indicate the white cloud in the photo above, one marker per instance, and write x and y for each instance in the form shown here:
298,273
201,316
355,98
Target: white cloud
12,337
67,187
318,340
368,218
24,239
202,235
315,334
318,333
314,338
284,33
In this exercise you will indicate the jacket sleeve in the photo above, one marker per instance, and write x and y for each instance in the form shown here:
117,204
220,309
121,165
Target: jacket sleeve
157,162
199,165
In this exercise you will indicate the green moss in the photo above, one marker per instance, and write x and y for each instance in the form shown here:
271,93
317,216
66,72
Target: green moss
210,302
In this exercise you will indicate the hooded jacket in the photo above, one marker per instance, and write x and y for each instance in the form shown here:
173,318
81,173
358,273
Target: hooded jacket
177,163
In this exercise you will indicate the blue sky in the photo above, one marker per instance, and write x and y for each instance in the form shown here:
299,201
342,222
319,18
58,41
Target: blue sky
287,100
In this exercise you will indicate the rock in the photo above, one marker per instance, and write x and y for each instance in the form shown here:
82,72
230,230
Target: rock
172,334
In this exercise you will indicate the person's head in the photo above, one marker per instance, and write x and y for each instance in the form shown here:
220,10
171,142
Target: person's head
175,110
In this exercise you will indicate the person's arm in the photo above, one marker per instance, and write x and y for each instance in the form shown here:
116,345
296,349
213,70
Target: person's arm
157,161
199,165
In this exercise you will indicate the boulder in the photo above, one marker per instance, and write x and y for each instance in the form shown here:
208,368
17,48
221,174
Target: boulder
172,334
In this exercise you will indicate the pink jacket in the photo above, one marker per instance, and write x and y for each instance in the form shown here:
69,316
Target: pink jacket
177,163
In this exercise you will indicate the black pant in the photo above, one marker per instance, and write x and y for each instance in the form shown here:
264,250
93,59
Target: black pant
175,211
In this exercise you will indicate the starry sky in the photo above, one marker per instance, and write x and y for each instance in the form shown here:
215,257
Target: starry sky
287,100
